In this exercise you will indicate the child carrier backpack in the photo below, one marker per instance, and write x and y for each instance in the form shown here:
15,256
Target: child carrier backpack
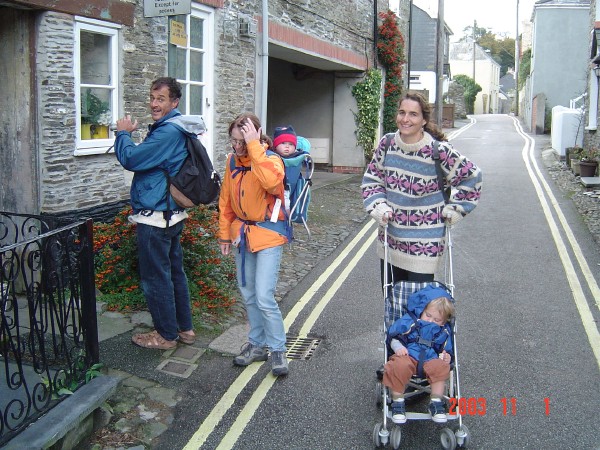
297,182
197,182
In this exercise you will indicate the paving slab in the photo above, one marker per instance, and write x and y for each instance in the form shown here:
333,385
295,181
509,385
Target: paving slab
112,324
230,341
590,182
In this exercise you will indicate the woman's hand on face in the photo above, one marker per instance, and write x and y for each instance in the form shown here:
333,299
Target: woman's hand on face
250,132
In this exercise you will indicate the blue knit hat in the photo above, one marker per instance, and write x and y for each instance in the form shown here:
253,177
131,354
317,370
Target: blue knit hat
284,134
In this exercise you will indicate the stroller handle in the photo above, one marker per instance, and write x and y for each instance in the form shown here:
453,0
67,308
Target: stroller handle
448,271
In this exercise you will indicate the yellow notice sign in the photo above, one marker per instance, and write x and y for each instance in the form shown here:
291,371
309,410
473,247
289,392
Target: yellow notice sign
178,36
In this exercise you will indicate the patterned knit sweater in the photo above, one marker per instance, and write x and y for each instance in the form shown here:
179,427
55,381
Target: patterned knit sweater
404,181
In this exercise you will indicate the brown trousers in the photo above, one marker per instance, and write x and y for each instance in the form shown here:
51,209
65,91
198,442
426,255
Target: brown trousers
399,369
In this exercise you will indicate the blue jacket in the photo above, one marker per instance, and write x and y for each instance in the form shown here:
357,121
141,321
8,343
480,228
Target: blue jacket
163,149
408,330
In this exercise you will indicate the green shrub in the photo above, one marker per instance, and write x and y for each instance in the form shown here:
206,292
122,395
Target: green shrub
471,90
368,99
211,276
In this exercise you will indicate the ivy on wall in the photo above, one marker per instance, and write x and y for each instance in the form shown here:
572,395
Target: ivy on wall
390,49
368,99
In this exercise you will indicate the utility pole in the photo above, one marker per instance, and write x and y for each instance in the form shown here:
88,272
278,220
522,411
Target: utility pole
474,55
439,90
517,55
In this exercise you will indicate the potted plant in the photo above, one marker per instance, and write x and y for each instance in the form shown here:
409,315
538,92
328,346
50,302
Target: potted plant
569,152
575,158
589,162
95,116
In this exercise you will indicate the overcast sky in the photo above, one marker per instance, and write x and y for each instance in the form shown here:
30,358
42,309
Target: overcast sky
499,15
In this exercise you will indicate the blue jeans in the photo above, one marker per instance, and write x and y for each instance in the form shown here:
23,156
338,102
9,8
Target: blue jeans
163,280
262,272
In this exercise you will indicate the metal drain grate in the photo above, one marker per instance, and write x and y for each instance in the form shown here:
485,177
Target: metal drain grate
301,348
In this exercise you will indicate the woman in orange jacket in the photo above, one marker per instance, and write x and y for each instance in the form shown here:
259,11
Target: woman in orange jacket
252,220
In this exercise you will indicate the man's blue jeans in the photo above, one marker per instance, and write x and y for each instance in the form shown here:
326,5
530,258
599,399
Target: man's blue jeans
262,272
163,280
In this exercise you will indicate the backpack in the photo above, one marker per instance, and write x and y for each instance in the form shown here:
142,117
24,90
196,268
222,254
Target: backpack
298,174
297,182
197,182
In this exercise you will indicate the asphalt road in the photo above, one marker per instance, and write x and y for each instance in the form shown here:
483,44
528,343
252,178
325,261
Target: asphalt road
527,330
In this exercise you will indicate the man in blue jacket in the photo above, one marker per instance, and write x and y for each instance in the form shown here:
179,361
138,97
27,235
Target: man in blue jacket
159,221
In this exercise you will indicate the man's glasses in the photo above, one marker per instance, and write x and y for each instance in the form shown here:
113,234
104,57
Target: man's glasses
236,142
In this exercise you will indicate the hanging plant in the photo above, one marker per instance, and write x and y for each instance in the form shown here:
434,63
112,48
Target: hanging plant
390,50
368,99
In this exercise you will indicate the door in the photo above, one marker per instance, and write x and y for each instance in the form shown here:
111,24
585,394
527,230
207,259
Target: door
191,61
18,156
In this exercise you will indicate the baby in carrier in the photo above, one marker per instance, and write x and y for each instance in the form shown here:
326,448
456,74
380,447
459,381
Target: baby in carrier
421,341
293,150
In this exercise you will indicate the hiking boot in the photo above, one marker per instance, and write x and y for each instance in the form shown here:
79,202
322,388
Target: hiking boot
249,354
279,363
398,411
437,409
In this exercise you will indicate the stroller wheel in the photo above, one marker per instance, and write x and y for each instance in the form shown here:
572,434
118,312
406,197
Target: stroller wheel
396,437
463,436
448,439
379,440
379,394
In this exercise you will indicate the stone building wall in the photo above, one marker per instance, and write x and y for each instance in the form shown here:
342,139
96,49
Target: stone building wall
71,183
67,182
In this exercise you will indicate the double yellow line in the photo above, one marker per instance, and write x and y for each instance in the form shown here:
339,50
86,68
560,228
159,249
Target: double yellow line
585,313
228,399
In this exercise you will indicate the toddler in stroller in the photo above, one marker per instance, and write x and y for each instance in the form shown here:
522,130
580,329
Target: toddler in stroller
421,344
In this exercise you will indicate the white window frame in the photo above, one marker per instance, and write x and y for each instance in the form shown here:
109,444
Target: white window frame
208,15
95,146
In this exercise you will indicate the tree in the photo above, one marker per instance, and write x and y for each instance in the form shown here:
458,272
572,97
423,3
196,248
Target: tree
479,33
471,90
502,49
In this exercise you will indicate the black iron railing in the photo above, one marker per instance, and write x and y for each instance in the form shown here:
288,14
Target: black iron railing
48,328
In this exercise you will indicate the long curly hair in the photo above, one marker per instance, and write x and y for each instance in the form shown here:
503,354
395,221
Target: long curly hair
430,126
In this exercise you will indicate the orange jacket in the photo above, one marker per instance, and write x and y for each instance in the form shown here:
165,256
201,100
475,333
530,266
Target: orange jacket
250,196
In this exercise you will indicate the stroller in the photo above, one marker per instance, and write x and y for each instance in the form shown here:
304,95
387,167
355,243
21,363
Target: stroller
395,301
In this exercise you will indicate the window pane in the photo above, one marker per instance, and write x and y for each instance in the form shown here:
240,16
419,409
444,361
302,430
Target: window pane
196,99
96,113
95,58
178,61
182,102
196,32
196,67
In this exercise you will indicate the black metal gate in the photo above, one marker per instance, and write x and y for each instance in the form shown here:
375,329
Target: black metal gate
48,327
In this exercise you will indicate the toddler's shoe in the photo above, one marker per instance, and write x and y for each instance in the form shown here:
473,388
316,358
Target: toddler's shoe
249,354
398,411
437,409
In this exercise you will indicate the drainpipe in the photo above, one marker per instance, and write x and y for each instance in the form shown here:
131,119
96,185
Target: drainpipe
375,34
265,63
410,21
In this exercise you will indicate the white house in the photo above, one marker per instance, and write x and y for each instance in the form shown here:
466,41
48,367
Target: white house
481,66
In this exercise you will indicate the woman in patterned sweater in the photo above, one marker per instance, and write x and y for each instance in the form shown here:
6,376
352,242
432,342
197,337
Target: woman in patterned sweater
400,189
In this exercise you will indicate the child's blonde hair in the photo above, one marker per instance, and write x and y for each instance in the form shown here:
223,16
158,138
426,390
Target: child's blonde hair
444,306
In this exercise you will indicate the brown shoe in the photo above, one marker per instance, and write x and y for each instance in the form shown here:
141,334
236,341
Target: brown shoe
187,337
153,340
